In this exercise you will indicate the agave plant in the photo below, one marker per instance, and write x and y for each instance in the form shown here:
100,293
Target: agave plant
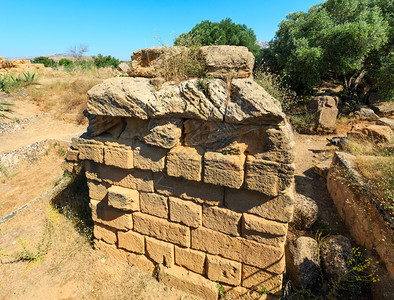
4,108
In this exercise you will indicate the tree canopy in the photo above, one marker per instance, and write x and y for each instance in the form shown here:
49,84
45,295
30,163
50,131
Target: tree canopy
224,33
342,39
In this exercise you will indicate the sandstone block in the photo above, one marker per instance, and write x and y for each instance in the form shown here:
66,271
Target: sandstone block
190,190
112,251
72,155
255,278
91,152
118,157
97,190
185,162
140,180
141,262
251,104
162,229
123,198
103,124
154,204
131,241
160,252
105,234
267,177
228,62
109,216
325,110
263,231
189,282
135,128
190,259
279,208
185,212
226,170
164,133
221,219
223,270
149,157
68,166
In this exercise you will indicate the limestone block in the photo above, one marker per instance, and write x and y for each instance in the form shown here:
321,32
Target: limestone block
109,216
97,190
255,278
251,104
190,259
118,157
185,212
190,190
161,229
141,262
154,204
101,124
160,252
223,270
185,162
72,155
263,231
164,133
112,251
225,170
149,157
105,234
135,128
267,177
189,282
123,198
228,62
279,208
131,241
140,180
91,152
221,219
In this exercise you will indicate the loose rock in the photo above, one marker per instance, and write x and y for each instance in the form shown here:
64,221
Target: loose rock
305,211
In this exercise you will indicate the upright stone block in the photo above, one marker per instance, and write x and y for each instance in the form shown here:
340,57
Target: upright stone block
221,219
185,162
97,190
154,204
123,198
225,170
160,252
109,216
92,152
118,157
185,212
131,241
190,259
223,270
105,234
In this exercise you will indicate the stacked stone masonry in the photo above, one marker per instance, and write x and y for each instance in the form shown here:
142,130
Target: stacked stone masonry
196,180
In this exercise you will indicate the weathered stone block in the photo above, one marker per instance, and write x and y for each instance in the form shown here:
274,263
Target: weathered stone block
131,241
97,190
263,231
123,198
185,212
109,216
279,208
149,157
91,152
185,162
162,229
141,262
189,282
267,177
255,278
72,155
191,190
112,251
190,259
118,157
223,270
154,204
105,234
225,170
164,133
221,219
140,180
160,252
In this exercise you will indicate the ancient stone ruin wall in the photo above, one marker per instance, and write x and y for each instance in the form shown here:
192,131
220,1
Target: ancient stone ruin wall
196,176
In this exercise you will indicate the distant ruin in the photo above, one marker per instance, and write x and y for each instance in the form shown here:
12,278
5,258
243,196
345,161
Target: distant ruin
194,178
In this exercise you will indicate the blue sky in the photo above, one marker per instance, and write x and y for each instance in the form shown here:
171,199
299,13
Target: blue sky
117,28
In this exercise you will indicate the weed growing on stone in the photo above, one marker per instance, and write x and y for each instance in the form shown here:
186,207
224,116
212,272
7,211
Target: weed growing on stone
222,294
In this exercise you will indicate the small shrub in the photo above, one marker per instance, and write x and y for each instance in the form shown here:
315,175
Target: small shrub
106,61
47,62
66,62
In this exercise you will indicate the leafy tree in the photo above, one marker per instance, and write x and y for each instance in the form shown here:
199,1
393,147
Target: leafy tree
336,39
66,62
48,62
106,61
224,33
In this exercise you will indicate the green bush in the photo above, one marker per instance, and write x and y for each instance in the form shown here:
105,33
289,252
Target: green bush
106,61
66,62
48,62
